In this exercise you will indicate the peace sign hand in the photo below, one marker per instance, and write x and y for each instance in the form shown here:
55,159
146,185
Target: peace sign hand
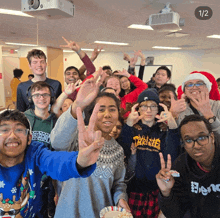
165,180
71,44
90,141
166,117
133,116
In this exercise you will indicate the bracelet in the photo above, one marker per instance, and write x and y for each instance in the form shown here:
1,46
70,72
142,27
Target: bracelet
78,51
65,93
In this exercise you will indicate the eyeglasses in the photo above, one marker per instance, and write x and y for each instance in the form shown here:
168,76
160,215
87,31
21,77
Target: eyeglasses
10,212
201,140
17,131
36,96
191,85
152,107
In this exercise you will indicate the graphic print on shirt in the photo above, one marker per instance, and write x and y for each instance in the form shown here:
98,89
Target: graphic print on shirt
10,208
147,143
41,136
195,188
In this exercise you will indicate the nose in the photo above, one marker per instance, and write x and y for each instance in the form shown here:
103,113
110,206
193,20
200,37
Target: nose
148,109
107,113
12,134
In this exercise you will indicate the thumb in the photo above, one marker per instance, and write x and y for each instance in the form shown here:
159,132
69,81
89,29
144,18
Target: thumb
183,96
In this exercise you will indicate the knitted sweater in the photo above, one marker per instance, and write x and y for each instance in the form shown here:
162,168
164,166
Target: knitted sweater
83,198
20,185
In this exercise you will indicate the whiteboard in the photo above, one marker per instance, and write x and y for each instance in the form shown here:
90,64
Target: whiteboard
150,70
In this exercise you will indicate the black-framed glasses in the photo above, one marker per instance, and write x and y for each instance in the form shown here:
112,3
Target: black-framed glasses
11,212
191,85
201,140
36,96
152,107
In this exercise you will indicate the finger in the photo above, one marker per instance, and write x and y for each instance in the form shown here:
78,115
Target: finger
158,117
169,163
172,99
93,118
162,162
98,135
65,40
141,116
183,96
134,107
164,107
97,74
81,124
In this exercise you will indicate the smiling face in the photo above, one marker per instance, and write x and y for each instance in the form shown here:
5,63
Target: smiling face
71,76
161,77
165,98
107,116
200,153
194,91
125,83
149,114
115,84
116,131
38,66
13,141
41,102
66,104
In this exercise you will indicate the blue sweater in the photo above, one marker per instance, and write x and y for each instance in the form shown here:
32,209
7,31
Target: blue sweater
149,142
23,181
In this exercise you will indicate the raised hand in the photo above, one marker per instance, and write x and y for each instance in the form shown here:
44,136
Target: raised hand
71,88
71,44
202,104
90,141
177,106
133,61
134,116
95,53
122,73
165,181
87,93
126,57
166,117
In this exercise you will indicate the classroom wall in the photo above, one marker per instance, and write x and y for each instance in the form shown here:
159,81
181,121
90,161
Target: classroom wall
2,90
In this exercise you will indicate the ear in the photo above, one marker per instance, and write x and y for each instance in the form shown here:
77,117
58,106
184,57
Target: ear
29,138
212,137
167,79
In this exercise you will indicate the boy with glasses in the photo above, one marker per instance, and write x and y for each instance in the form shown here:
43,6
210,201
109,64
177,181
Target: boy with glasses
143,129
23,163
196,190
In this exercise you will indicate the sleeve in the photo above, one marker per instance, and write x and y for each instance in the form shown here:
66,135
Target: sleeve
131,70
60,165
119,186
130,167
178,202
126,138
21,106
63,133
141,72
172,146
89,65
216,125
140,86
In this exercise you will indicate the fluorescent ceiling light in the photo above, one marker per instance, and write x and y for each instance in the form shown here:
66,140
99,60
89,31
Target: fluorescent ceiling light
162,47
141,27
13,12
22,44
111,43
214,36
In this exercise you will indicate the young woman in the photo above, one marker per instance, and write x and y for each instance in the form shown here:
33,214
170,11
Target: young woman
105,187
149,140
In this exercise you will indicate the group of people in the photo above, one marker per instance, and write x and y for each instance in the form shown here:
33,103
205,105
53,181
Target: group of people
110,139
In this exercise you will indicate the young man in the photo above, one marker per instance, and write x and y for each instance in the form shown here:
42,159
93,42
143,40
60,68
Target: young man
196,190
161,76
38,65
143,129
14,84
23,163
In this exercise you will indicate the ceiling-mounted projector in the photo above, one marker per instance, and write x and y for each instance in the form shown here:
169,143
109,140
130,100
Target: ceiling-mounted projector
166,20
48,9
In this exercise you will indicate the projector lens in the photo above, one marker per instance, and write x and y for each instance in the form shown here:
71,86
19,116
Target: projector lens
34,3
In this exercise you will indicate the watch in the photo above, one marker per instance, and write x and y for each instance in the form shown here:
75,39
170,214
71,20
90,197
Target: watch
212,119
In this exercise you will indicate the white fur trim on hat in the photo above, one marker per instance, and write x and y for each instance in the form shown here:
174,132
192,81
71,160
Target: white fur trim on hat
200,77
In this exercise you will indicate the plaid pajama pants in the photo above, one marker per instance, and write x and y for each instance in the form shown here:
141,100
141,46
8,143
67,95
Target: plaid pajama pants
144,205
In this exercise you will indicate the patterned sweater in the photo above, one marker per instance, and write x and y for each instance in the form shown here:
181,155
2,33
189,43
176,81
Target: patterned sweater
83,198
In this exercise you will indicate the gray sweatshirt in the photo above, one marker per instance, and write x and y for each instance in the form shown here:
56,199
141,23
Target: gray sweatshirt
84,198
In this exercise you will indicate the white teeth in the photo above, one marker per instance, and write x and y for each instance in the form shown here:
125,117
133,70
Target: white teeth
14,144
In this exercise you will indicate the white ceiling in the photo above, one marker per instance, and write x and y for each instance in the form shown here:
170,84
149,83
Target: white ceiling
108,21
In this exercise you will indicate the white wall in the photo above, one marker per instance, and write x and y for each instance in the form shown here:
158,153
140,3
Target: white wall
183,62
2,90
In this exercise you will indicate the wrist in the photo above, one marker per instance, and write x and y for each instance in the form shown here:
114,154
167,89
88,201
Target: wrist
78,51
166,193
65,93
129,123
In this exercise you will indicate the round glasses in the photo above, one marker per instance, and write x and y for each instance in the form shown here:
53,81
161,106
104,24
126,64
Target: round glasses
152,107
191,85
201,140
